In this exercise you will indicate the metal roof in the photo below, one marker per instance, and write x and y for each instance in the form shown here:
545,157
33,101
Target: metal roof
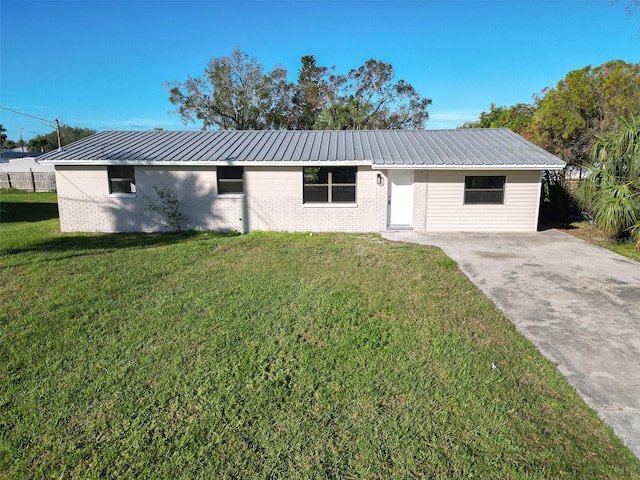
442,149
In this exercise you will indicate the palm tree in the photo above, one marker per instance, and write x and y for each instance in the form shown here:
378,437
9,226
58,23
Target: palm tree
3,137
611,193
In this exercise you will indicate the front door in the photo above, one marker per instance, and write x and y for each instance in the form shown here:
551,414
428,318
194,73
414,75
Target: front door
400,198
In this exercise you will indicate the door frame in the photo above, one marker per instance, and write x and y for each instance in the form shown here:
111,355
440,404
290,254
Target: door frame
402,194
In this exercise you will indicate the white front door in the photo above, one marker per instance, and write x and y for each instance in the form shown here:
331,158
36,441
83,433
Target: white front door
400,198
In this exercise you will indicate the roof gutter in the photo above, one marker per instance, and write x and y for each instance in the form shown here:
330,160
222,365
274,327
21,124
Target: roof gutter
210,163
470,167
300,163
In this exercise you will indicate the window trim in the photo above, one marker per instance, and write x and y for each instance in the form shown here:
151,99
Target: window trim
329,186
230,181
122,179
478,190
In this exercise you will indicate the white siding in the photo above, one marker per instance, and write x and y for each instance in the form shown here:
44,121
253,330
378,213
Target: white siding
445,209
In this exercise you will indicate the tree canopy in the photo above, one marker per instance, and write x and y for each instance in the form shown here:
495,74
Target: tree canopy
516,118
569,118
49,141
586,104
369,98
234,92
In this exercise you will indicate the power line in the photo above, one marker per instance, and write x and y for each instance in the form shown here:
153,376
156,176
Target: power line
55,124
31,116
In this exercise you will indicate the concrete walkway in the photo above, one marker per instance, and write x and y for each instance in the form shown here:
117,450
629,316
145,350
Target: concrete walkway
578,303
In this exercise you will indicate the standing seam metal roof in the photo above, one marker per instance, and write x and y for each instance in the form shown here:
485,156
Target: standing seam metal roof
380,148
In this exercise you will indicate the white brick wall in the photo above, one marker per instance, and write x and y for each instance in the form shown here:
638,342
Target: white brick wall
272,201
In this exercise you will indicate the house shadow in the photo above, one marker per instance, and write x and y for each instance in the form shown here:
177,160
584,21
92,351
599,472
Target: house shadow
167,200
85,242
130,217
11,212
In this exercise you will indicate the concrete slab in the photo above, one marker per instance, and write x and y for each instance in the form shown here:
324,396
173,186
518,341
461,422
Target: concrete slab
577,302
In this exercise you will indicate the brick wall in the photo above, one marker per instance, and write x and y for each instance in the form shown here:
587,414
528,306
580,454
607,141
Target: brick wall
272,201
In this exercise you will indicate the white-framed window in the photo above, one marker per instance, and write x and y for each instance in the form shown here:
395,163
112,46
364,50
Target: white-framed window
230,180
484,189
122,180
329,184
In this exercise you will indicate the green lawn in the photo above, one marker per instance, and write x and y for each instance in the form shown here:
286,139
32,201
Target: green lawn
269,356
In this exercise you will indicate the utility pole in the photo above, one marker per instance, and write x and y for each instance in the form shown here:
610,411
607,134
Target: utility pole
21,140
58,132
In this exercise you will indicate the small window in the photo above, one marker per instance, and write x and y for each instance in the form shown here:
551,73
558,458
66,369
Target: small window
484,189
121,180
329,185
230,180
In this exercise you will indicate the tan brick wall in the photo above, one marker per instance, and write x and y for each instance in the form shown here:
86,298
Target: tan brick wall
272,201
420,188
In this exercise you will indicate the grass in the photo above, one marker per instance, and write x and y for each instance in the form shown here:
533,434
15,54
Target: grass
270,356
589,232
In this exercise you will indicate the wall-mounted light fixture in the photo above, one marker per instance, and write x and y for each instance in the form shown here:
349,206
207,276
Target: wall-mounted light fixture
380,179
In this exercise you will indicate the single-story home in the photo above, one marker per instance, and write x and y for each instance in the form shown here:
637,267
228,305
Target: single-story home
470,180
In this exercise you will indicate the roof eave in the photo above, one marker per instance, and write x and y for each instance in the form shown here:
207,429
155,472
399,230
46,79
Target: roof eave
472,167
209,163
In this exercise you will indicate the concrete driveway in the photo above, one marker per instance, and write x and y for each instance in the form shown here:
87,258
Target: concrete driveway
578,303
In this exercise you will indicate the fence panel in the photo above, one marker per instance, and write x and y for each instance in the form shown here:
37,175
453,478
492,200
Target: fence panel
29,181
4,180
44,181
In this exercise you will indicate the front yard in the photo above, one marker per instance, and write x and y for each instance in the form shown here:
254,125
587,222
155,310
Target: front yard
269,356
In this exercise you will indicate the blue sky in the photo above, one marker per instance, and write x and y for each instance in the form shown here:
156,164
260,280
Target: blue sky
101,65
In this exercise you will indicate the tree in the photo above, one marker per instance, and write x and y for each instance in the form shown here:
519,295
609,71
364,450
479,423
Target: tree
312,93
516,117
611,193
280,114
49,141
4,141
233,93
586,104
167,204
369,98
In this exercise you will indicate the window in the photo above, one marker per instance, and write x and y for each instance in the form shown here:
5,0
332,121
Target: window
121,180
484,189
230,180
329,185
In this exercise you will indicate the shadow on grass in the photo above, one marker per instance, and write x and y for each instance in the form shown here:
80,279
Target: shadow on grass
70,243
27,212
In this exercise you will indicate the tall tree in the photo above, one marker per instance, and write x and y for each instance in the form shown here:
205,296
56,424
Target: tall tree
233,93
369,98
280,114
611,192
49,141
586,104
3,137
312,92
